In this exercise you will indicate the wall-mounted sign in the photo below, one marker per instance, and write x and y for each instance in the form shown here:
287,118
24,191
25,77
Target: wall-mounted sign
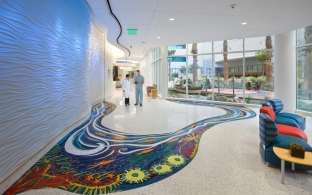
132,31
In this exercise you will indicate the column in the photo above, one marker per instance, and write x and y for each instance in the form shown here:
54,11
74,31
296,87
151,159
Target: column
285,69
163,74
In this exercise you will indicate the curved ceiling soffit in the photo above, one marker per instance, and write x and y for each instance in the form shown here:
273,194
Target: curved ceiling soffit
120,28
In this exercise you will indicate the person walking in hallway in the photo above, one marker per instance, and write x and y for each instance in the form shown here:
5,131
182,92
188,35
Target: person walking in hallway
138,81
127,88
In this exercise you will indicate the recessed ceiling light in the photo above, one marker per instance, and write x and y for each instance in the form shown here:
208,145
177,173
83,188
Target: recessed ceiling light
171,19
244,23
158,37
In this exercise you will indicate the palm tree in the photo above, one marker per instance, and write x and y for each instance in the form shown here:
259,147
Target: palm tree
170,53
195,65
191,68
182,69
261,57
225,61
268,62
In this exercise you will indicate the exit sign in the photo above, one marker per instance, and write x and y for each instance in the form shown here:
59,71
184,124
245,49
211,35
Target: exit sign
132,31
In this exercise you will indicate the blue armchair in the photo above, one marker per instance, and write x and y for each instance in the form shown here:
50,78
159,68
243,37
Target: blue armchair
285,118
270,137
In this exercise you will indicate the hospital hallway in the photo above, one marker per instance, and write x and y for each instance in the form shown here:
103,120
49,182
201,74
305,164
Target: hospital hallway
227,97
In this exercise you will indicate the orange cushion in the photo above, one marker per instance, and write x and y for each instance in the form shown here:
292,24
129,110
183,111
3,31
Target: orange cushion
292,131
269,111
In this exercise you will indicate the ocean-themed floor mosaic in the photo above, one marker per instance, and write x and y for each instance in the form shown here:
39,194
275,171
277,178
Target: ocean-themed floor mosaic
94,159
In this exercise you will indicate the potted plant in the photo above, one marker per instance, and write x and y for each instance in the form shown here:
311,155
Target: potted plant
248,99
248,85
296,150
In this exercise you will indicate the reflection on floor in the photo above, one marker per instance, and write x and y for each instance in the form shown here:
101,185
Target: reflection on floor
94,159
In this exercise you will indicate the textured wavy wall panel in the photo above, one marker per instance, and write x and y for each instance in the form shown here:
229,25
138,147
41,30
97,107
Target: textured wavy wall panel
96,63
51,71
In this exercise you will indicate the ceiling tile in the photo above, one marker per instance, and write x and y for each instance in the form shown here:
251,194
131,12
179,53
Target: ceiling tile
134,17
162,18
194,6
134,4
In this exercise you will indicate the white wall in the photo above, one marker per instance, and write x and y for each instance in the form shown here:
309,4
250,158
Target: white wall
163,88
146,70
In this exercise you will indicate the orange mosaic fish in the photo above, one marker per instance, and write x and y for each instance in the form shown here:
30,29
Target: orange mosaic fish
147,151
119,137
102,163
148,140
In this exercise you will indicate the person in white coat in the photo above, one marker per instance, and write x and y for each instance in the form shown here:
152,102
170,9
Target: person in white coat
127,88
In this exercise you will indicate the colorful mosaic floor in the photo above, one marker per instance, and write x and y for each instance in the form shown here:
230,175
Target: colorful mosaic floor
94,159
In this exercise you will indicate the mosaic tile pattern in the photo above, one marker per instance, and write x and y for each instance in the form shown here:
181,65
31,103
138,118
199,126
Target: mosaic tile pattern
94,159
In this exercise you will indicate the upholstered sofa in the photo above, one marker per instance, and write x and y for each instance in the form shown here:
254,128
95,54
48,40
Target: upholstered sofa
285,118
270,137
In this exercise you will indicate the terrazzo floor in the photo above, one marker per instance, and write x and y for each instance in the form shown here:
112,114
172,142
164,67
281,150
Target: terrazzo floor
228,159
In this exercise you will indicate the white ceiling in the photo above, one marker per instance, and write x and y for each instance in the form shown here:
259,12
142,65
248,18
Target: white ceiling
197,20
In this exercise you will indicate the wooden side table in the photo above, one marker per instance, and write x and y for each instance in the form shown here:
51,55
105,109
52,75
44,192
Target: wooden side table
284,155
154,93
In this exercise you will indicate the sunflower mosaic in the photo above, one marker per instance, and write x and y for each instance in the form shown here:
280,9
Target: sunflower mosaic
161,169
176,160
135,176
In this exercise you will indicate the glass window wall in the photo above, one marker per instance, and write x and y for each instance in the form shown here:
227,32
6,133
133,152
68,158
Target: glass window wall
223,70
304,69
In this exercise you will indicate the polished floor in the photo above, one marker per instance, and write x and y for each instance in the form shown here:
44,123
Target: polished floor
227,162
